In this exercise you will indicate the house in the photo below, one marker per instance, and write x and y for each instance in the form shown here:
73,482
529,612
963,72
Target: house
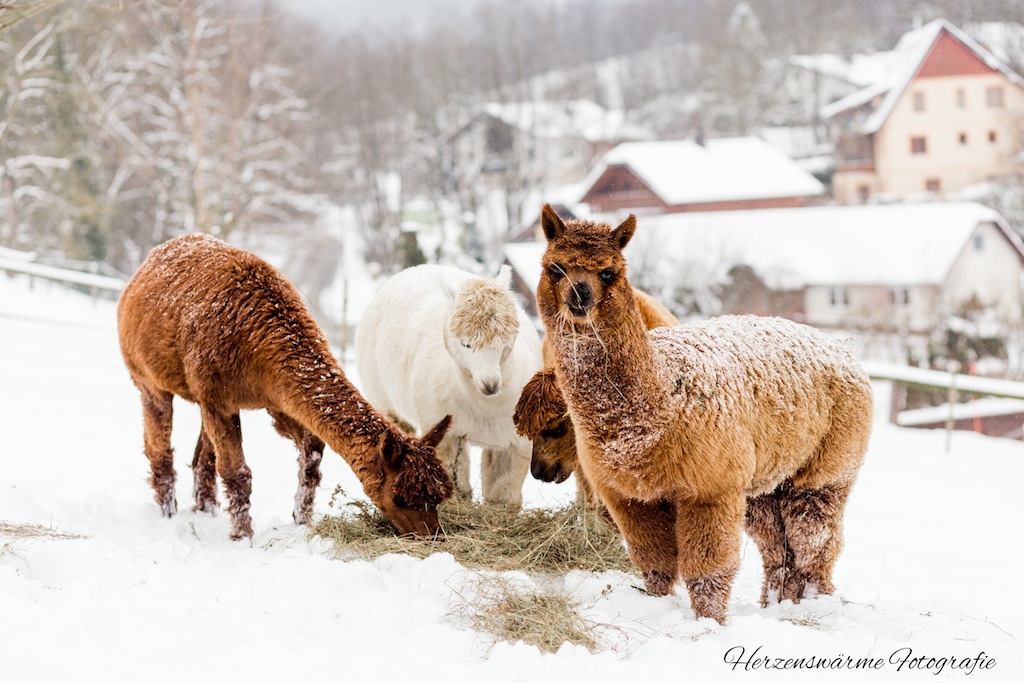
946,115
543,143
886,268
686,175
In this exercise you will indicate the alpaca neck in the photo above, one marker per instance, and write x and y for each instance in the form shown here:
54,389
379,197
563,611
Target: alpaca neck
323,400
612,383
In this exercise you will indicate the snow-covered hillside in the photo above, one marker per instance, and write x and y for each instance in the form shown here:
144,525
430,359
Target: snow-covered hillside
114,592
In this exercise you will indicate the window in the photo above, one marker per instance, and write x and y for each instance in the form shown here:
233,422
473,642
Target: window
863,192
919,101
994,97
918,145
933,185
992,137
963,138
961,99
838,296
899,296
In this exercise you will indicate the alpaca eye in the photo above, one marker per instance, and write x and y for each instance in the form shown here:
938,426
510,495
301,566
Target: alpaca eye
556,432
556,271
466,345
401,502
607,276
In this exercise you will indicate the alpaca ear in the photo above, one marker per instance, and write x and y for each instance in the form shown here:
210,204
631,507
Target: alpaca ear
504,277
622,234
390,448
551,223
434,436
539,403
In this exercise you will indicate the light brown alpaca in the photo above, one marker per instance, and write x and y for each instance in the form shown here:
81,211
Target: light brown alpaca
220,327
686,433
542,416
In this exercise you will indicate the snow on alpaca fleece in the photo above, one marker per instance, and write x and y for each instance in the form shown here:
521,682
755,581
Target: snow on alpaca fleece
766,375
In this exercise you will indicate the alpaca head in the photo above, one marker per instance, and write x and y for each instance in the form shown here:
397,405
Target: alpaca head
584,270
542,416
411,482
481,330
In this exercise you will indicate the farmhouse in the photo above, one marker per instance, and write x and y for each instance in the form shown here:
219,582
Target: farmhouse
880,267
946,115
687,175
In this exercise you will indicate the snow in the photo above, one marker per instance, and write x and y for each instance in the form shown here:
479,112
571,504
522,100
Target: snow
683,172
805,246
929,563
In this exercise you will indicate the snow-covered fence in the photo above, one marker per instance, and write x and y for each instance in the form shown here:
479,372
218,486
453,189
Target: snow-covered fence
23,262
937,379
952,413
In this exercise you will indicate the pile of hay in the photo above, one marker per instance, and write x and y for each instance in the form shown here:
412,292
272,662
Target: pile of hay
488,537
517,613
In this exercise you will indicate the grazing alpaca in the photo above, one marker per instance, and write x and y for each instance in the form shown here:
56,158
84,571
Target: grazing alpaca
220,327
542,416
439,341
686,433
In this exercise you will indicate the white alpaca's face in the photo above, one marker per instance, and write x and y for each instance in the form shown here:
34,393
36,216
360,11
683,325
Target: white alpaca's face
481,364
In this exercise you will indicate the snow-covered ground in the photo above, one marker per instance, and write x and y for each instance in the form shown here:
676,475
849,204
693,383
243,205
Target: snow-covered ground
930,569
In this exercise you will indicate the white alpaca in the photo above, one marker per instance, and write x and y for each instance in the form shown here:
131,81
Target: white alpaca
439,341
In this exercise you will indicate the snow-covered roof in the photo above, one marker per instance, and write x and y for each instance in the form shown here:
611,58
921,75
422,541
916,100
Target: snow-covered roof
555,120
859,69
910,53
892,245
724,169
1004,39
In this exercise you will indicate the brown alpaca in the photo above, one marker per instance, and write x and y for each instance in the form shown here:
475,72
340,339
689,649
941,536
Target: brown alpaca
687,433
220,327
542,416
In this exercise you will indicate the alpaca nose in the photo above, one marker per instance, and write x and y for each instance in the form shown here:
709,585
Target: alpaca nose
580,299
489,387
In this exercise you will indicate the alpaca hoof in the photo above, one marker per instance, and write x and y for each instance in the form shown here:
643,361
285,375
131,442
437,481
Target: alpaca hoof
240,531
658,583
302,517
208,505
169,508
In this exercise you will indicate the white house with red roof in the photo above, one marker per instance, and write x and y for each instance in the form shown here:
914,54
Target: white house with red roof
899,267
946,115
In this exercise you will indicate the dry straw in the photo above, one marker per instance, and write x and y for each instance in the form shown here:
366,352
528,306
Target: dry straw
495,539
488,537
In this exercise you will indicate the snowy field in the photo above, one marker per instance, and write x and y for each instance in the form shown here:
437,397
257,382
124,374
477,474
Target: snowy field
930,578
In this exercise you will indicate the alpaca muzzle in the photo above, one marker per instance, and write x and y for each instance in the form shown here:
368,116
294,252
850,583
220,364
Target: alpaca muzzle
580,299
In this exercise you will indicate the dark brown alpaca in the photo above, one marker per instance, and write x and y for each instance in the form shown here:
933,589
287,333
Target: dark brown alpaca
220,327
689,433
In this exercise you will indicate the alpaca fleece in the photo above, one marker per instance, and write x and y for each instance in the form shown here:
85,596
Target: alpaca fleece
220,327
691,433
437,341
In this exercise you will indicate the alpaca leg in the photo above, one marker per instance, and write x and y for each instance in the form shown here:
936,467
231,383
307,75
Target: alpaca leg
225,432
503,471
650,533
813,519
157,412
708,534
311,451
454,456
204,475
764,524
